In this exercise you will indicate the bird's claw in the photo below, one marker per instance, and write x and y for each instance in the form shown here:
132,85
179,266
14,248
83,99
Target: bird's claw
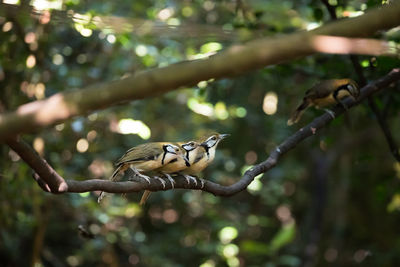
138,174
170,179
147,178
161,180
202,183
189,177
330,112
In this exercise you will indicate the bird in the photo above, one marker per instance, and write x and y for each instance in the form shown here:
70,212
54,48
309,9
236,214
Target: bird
205,154
326,93
199,155
145,158
174,166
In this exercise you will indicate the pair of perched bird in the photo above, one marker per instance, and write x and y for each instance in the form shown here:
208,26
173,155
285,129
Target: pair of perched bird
326,93
185,158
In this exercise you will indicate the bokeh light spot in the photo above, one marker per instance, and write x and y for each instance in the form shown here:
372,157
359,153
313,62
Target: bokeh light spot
270,103
170,216
227,234
111,38
130,126
82,145
241,112
58,59
31,61
38,145
141,50
230,250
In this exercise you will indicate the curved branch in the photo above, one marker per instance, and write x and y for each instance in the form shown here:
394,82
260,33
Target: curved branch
242,58
211,187
47,178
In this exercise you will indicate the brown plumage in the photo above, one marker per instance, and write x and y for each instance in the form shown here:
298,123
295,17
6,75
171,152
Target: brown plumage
204,154
145,158
326,93
178,165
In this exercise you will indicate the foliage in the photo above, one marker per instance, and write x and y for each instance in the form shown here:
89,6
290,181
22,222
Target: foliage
334,199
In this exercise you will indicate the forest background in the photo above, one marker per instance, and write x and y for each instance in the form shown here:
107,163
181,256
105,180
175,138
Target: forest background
103,76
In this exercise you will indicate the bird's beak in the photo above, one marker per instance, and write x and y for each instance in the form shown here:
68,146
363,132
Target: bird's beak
223,136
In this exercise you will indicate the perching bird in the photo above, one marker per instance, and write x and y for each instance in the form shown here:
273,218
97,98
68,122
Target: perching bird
145,158
326,93
205,154
199,155
174,166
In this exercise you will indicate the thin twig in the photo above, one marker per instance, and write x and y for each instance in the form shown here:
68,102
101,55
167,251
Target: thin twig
59,185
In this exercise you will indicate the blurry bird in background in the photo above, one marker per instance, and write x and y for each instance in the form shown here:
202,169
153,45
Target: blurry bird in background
326,93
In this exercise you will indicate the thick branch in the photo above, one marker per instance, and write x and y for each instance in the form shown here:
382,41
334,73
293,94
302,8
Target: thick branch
241,58
216,189
49,178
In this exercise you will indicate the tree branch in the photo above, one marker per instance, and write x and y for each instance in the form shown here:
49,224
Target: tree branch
242,58
47,177
394,149
58,185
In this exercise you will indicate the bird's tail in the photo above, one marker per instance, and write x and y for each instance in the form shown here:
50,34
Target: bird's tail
113,177
145,196
298,113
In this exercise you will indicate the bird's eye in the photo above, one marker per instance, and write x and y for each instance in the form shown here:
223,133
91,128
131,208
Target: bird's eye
214,138
350,87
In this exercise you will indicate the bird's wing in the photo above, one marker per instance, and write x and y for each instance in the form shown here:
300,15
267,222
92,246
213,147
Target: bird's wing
143,152
320,90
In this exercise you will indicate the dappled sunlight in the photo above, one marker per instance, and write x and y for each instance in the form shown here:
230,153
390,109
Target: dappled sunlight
31,61
270,103
82,145
33,90
47,4
130,126
165,13
218,111
344,45
11,2
227,234
95,79
227,249
38,145
205,109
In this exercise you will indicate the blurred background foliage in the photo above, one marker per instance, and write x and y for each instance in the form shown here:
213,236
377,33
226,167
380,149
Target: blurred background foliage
333,201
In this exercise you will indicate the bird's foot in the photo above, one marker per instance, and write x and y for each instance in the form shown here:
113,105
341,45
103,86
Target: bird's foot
138,174
202,183
161,180
189,177
330,112
172,181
